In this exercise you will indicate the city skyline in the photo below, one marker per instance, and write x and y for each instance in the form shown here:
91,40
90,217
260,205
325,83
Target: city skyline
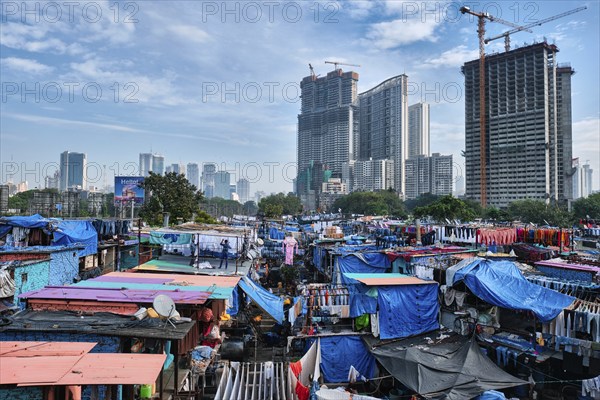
183,108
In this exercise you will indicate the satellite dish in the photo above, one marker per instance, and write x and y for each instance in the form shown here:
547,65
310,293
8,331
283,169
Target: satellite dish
164,307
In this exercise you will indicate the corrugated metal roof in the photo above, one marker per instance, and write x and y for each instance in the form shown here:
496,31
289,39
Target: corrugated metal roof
42,364
388,279
112,369
219,287
115,294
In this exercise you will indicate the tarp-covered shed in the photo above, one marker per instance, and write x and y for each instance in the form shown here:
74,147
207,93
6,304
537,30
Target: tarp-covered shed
445,366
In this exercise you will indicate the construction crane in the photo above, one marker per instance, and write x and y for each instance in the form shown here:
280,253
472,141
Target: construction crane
506,35
481,18
336,63
312,72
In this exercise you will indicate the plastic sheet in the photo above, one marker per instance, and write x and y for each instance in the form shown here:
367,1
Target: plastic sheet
267,301
501,283
361,263
77,232
407,310
339,353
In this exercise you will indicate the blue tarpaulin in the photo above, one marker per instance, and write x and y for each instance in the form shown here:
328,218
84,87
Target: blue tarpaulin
338,353
407,310
234,302
170,238
491,395
271,304
31,221
501,283
80,232
361,263
361,302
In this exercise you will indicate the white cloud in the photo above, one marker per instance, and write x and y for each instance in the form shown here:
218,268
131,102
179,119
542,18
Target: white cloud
452,58
26,65
391,34
189,33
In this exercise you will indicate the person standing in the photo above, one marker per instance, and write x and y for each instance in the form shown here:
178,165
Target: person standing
225,249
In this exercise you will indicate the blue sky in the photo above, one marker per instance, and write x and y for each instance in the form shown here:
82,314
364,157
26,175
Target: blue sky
218,81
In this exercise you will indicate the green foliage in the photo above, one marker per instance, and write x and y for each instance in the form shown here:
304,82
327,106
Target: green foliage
495,214
421,201
371,203
537,212
276,205
218,207
447,207
250,208
588,206
171,193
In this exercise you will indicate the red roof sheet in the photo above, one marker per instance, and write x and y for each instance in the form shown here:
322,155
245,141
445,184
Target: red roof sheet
70,363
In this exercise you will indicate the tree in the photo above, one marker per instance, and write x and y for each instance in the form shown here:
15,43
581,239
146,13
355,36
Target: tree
276,205
421,201
590,206
371,203
171,193
250,208
446,207
537,212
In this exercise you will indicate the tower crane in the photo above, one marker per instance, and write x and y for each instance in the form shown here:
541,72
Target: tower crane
336,63
481,19
506,35
312,72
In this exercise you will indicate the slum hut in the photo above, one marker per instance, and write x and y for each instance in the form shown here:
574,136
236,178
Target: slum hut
526,328
55,370
32,268
113,333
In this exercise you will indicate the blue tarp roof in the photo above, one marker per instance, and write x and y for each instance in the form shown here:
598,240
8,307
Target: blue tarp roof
361,263
266,300
80,232
501,283
31,221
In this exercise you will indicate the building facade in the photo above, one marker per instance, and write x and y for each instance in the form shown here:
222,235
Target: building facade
384,126
208,179
371,175
581,179
222,185
72,171
429,175
243,190
418,130
528,144
193,174
158,164
327,130
145,166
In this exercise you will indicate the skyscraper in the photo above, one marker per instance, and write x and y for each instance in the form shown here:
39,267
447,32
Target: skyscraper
176,168
193,174
158,164
222,185
208,179
428,175
327,130
145,164
418,130
528,146
384,125
373,175
72,170
243,190
582,179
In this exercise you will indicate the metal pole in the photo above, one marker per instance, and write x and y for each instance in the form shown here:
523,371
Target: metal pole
162,370
237,244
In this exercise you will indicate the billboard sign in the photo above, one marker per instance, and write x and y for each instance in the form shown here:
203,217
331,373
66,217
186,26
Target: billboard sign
127,189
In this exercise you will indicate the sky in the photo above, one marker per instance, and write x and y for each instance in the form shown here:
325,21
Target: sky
215,81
